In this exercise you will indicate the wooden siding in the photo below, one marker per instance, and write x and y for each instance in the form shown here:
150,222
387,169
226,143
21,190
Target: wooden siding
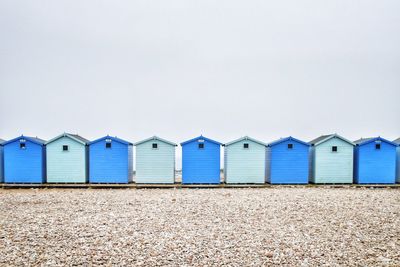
24,165
333,167
109,165
268,154
311,166
398,164
66,166
375,166
288,166
201,166
1,165
130,163
155,165
245,165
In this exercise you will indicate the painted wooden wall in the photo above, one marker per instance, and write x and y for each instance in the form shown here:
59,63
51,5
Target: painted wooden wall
398,164
201,166
311,164
155,165
66,166
110,165
288,166
25,165
333,167
1,163
245,165
375,166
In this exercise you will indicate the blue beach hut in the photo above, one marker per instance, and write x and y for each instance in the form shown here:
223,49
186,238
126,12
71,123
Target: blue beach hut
24,160
1,160
288,161
110,161
67,159
374,161
397,142
331,160
244,161
155,161
201,161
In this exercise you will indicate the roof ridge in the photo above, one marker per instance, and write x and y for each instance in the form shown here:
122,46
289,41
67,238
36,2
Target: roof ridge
246,137
324,138
201,137
155,137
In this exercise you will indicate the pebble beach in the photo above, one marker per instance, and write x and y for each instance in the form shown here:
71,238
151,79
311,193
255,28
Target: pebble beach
200,227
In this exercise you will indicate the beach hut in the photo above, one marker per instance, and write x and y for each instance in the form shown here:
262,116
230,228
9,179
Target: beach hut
155,161
374,161
67,159
331,160
24,160
110,161
244,161
288,161
1,160
397,141
201,161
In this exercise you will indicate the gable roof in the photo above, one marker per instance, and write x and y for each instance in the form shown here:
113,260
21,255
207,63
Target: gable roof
324,138
155,138
35,140
201,137
397,141
281,140
318,139
116,139
245,138
364,141
75,137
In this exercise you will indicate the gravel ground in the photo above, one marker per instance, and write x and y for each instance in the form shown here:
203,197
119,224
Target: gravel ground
280,225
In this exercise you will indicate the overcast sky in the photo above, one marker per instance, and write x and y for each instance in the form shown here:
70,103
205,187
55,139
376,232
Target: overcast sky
178,69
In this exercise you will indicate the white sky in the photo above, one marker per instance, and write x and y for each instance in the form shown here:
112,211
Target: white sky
176,69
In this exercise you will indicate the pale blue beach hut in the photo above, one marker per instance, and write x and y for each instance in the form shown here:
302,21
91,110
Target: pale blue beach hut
244,161
331,160
155,161
67,159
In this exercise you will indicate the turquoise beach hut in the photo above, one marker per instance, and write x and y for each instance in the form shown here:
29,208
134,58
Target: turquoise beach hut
67,159
110,161
244,161
24,160
397,141
288,161
374,161
201,161
331,160
155,161
1,160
